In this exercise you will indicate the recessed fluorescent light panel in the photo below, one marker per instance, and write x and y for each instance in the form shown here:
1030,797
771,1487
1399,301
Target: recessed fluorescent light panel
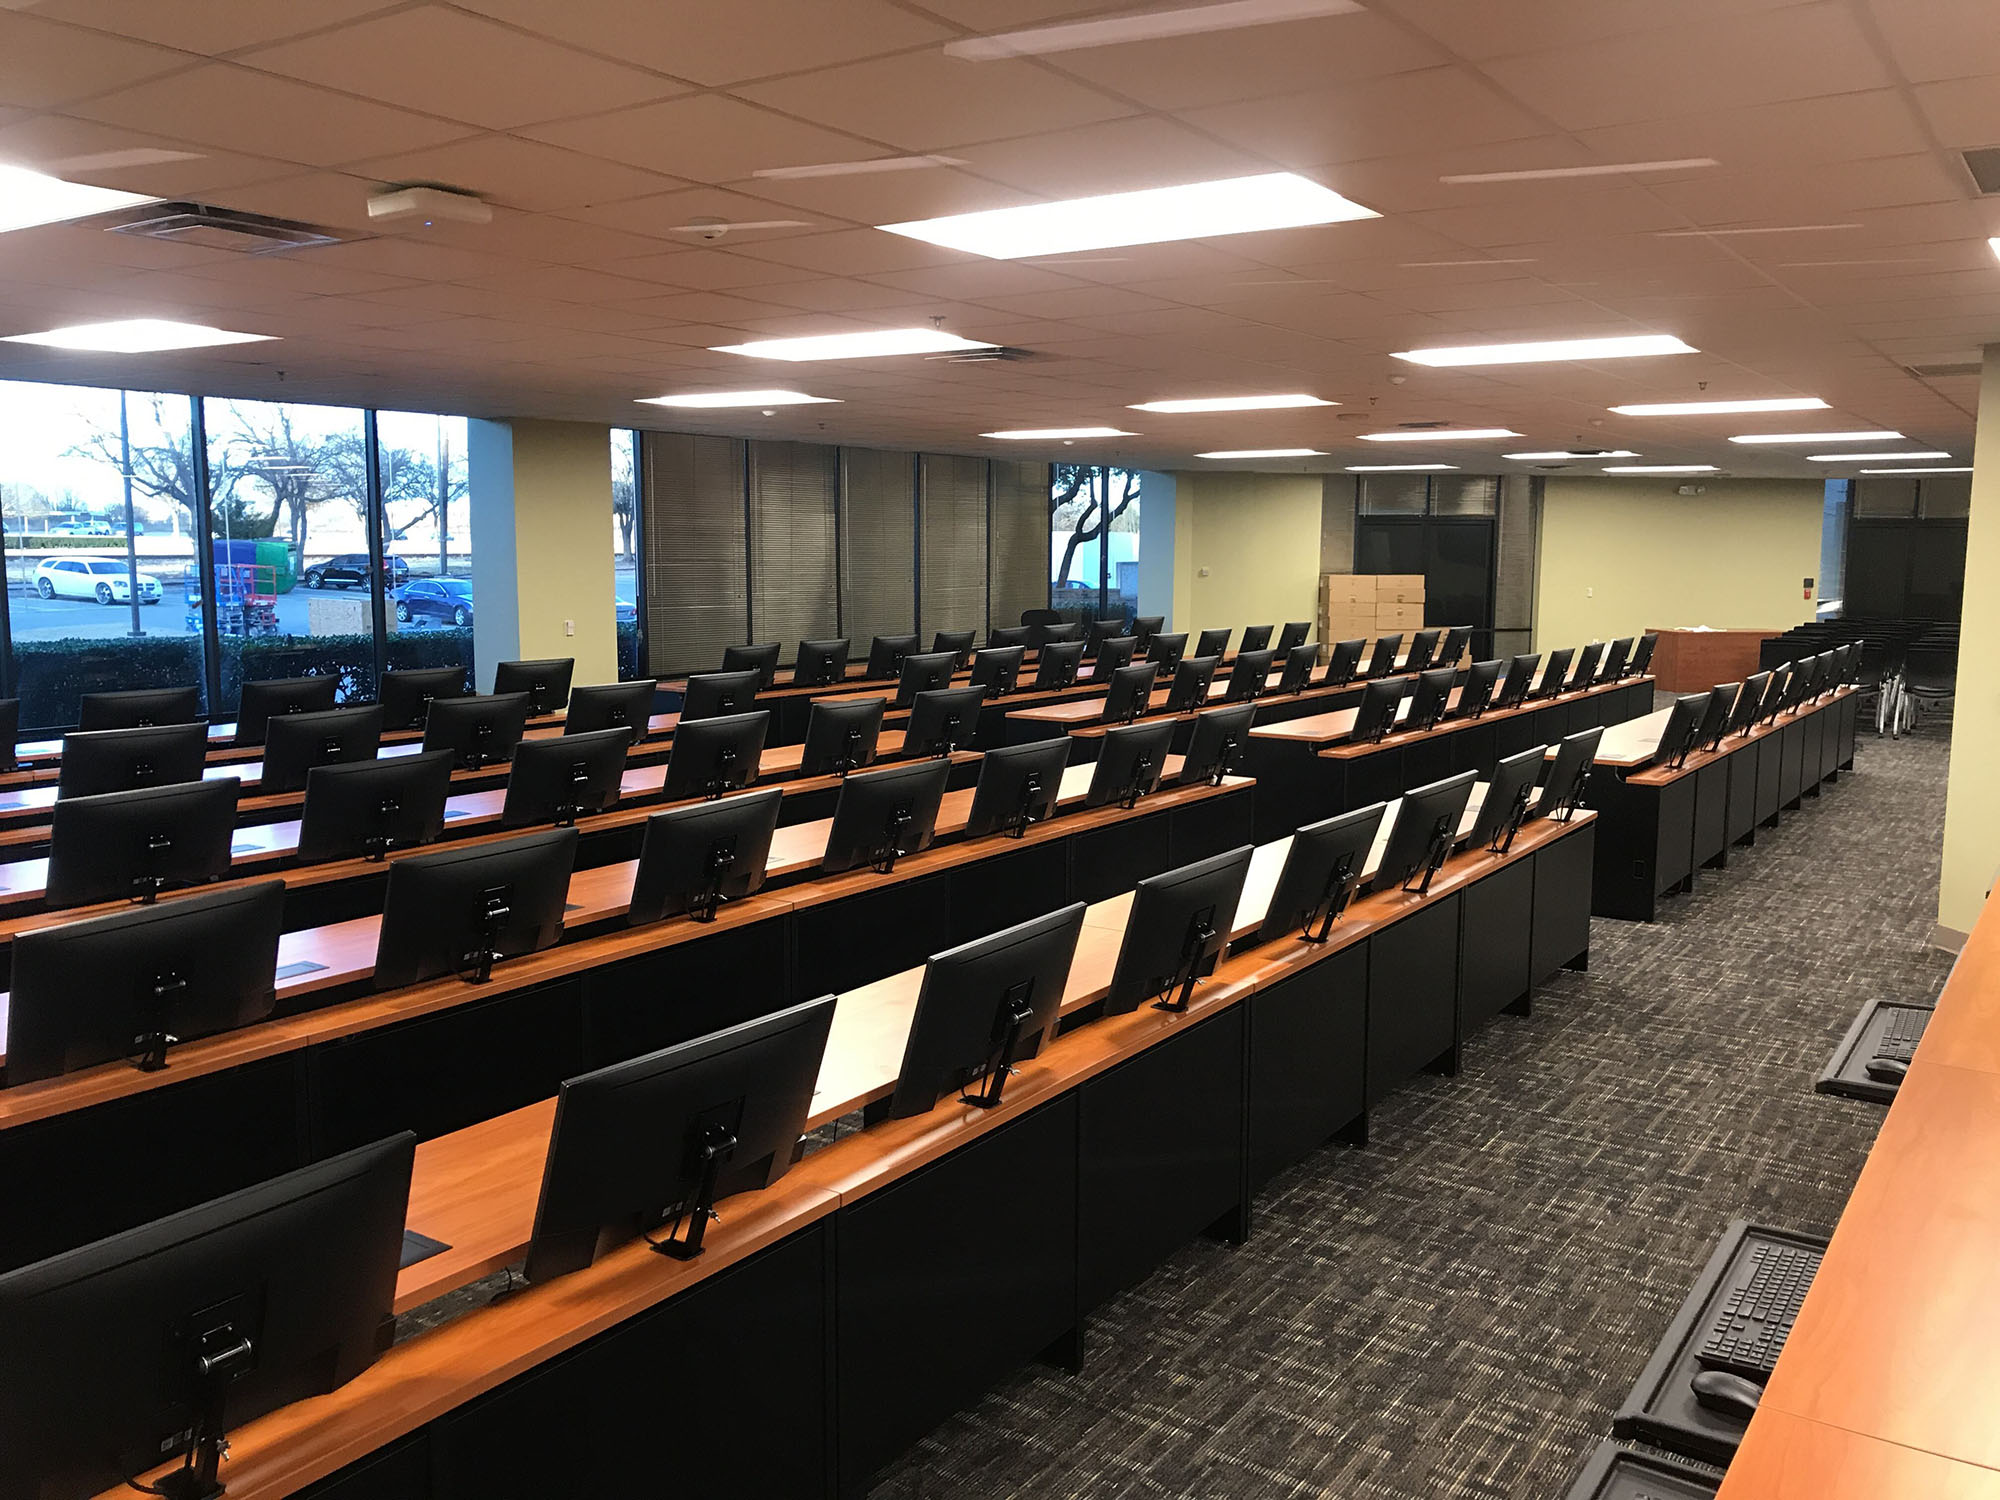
1662,469
863,168
1026,434
1265,453
872,345
1915,471
1994,245
1719,408
1869,458
29,198
1615,169
1716,234
701,399
1195,211
1557,454
1191,20
1233,403
1549,351
1818,437
1439,435
136,336
1399,468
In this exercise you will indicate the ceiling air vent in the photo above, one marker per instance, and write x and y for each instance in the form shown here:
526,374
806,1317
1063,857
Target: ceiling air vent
984,356
217,228
1422,426
1984,165
1944,372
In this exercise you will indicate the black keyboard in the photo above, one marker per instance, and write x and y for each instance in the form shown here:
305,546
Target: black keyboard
1750,1330
1905,1030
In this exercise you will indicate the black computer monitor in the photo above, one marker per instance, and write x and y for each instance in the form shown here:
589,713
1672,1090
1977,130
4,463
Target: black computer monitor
611,705
1683,724
274,699
713,756
131,984
1018,785
1613,666
1113,652
364,809
1569,775
984,1006
1056,666
460,911
1062,632
295,744
1508,793
546,682
1585,672
841,735
139,708
762,659
1775,694
1145,627
997,669
1322,868
1426,828
1130,763
1250,674
1382,660
126,845
1166,651
943,721
662,1138
820,663
958,643
1344,662
695,858
1178,926
1298,673
407,694
1642,655
1215,749
1422,644
1001,637
714,695
478,731
1212,642
883,814
1555,676
1291,635
1100,631
925,672
10,733
886,653
1375,716
117,760
1130,693
1477,692
148,1345
1519,679
1193,677
1715,718
560,779
1749,703
1255,638
1456,640
1432,698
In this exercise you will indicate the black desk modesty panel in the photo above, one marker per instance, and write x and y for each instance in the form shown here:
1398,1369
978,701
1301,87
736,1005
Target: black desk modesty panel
443,1071
859,1327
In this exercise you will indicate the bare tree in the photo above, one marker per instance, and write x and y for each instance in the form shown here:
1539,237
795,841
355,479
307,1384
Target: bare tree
1099,508
167,471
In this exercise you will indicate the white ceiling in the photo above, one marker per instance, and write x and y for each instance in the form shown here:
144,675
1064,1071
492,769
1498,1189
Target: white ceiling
596,126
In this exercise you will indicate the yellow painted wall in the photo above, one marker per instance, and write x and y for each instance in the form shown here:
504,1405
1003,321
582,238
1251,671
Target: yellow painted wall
1257,535
1621,555
1972,799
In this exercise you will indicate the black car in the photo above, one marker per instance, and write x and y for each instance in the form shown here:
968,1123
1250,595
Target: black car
436,599
351,568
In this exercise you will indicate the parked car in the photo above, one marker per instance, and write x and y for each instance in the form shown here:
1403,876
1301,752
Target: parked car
96,578
625,612
435,599
351,568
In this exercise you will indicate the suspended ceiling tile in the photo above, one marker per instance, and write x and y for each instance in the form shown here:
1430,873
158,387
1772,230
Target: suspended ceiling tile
521,173
704,138
1964,112
208,26
44,65
886,197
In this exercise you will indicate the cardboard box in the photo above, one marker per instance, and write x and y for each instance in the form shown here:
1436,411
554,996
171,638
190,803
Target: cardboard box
1399,588
1356,588
1390,617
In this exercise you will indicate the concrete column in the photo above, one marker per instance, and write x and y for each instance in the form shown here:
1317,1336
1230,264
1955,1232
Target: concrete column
1972,801
1157,495
541,546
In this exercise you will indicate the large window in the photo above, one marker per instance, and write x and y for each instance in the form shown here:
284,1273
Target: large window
99,502
1094,540
627,577
426,539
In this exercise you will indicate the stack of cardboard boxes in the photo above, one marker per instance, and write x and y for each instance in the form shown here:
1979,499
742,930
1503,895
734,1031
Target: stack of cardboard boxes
1368,604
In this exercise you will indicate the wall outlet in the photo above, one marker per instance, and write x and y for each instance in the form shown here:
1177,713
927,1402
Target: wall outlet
569,627
1590,593
1201,572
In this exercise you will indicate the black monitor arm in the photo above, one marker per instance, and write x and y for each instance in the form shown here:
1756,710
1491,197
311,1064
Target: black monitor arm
718,781
1014,1013
1434,856
892,828
151,1044
1135,788
1517,814
842,764
477,965
1024,810
579,778
1332,903
1568,806
721,855
1179,990
217,1357
1222,760
146,887
716,1145
948,737
377,847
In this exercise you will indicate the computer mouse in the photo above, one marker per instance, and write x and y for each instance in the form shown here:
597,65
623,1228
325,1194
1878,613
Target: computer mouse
1726,1394
1886,1069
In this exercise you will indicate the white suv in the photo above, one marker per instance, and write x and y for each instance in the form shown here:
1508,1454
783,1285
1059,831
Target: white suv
96,578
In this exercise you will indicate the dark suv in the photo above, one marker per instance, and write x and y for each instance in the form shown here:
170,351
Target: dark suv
351,568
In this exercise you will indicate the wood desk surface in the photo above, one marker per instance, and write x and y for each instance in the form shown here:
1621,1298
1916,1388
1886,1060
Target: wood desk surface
1332,729
1085,712
1657,775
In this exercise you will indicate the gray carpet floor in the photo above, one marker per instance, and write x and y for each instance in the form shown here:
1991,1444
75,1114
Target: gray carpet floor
1458,1308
